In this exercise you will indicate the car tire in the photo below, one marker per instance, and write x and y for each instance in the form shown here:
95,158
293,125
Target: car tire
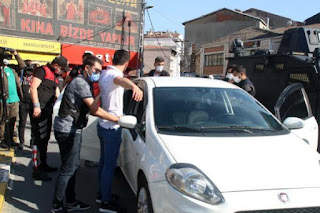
144,204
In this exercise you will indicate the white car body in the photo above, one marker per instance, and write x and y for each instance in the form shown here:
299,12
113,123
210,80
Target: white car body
252,173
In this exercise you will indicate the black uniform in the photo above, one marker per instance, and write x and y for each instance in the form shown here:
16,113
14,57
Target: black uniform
248,86
41,126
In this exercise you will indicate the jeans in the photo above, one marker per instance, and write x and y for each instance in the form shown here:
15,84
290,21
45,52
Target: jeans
110,140
69,145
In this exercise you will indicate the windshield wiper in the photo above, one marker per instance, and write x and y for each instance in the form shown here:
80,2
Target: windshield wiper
180,128
233,127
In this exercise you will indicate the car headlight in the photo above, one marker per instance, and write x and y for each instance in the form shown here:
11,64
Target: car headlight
189,180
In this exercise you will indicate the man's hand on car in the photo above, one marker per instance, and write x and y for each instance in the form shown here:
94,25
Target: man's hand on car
137,94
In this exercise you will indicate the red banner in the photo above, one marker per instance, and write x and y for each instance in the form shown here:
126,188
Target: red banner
74,54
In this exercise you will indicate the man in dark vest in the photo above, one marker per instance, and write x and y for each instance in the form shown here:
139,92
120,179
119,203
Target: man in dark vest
75,106
44,91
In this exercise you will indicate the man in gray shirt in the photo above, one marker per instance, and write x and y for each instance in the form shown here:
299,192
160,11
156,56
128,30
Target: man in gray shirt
76,103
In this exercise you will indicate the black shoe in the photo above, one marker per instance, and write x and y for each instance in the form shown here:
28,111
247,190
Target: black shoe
4,145
109,208
14,144
114,199
91,164
77,206
46,168
57,207
40,175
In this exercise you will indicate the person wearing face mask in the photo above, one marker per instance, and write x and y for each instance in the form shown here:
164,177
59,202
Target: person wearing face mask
240,79
77,102
44,91
229,74
159,68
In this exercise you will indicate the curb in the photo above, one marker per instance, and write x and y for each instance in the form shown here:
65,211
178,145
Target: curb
6,158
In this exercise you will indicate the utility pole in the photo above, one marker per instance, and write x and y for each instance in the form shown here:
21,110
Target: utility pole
141,39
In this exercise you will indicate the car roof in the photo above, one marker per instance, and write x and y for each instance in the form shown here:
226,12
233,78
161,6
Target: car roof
187,82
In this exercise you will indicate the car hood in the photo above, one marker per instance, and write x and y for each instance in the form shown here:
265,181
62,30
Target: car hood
249,163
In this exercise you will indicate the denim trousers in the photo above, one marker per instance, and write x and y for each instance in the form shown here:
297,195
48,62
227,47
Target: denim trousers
110,141
69,145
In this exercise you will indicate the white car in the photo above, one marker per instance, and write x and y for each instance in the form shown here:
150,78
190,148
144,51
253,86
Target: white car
202,145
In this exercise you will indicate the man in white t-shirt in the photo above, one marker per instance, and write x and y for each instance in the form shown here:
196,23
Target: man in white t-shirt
112,84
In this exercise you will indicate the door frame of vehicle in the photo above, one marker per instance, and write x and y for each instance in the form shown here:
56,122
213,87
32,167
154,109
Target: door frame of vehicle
288,91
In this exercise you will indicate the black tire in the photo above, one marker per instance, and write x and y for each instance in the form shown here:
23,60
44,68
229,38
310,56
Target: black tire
145,207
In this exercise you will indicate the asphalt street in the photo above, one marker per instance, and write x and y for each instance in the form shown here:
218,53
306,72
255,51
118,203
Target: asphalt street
26,195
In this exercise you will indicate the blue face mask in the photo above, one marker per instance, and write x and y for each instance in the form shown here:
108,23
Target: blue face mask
94,77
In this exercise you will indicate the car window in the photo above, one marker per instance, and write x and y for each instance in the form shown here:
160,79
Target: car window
294,106
211,111
131,107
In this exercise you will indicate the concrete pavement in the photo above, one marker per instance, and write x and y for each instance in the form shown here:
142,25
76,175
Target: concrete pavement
25,195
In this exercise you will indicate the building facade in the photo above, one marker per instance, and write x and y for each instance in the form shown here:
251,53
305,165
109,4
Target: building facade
211,27
105,24
168,45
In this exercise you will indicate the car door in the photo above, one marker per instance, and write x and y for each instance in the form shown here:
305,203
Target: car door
131,138
294,102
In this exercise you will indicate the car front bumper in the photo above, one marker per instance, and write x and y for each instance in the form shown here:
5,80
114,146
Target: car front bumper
166,199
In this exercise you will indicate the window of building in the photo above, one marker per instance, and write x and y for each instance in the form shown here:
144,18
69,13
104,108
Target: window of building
214,60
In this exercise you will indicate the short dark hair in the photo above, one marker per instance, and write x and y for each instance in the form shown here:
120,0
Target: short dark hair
240,69
231,66
61,61
85,55
158,59
27,62
91,60
120,57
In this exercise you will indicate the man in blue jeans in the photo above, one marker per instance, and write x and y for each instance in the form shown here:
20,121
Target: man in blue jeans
112,84
76,103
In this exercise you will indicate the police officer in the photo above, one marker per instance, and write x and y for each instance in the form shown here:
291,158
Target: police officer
240,79
44,91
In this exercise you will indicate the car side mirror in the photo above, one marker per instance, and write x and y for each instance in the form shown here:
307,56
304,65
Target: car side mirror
293,123
128,121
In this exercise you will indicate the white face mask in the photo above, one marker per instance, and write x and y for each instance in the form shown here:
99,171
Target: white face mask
236,79
229,76
159,68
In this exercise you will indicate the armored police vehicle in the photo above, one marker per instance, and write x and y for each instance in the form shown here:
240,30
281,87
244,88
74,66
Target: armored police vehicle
293,72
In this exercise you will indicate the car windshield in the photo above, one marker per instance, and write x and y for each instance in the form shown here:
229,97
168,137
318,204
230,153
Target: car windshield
207,111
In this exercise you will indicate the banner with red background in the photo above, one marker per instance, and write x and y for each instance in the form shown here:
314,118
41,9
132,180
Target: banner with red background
74,54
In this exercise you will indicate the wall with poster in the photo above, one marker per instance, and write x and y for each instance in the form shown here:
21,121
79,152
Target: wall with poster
101,23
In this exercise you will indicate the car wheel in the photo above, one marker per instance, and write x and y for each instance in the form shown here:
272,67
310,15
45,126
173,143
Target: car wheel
144,204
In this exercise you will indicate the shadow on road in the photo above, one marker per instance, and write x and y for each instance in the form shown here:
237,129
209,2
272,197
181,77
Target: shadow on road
27,195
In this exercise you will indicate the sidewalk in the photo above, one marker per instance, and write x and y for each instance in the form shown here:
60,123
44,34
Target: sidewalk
6,158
